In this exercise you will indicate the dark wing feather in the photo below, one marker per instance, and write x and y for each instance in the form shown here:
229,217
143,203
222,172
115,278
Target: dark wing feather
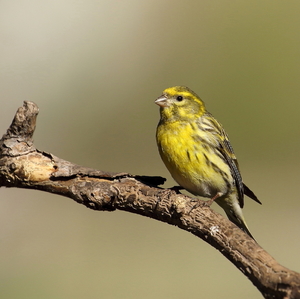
230,157
249,193
226,150
233,164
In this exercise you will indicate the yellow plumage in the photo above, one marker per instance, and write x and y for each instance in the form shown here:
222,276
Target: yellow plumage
197,152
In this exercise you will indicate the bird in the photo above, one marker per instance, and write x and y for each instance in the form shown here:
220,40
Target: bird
198,154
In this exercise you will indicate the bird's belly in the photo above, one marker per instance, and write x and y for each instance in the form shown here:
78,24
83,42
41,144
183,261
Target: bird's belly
194,165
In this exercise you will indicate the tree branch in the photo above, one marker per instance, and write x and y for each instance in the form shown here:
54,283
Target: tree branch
24,166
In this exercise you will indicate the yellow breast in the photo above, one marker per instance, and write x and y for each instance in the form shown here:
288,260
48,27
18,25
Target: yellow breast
190,158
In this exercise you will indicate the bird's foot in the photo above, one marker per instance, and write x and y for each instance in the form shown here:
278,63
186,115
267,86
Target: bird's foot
177,189
197,204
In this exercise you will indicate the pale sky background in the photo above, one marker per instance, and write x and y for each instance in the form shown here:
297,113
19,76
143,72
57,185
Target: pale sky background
94,68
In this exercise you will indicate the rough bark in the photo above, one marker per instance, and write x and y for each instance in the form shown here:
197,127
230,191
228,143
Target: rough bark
24,166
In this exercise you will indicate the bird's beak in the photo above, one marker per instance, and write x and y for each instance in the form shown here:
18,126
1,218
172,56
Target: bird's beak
162,101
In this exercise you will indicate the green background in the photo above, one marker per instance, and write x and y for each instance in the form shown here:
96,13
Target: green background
95,68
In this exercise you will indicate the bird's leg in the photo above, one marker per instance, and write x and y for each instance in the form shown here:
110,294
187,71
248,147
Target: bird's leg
209,202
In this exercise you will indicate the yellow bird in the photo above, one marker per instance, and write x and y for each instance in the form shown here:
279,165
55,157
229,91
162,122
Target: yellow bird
196,150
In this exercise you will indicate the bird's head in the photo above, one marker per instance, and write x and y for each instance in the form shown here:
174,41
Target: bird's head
180,103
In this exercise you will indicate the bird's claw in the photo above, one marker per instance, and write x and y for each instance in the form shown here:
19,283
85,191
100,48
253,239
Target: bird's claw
177,189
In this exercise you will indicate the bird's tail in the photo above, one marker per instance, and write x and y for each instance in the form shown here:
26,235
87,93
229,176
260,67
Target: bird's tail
234,213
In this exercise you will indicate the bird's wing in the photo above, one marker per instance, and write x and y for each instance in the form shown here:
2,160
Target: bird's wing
223,146
228,153
225,149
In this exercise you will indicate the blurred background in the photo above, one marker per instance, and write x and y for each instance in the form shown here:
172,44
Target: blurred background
94,68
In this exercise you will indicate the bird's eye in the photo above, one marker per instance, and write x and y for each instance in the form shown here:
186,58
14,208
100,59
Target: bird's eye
179,98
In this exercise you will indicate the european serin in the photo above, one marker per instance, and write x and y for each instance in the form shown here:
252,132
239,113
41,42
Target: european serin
197,152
